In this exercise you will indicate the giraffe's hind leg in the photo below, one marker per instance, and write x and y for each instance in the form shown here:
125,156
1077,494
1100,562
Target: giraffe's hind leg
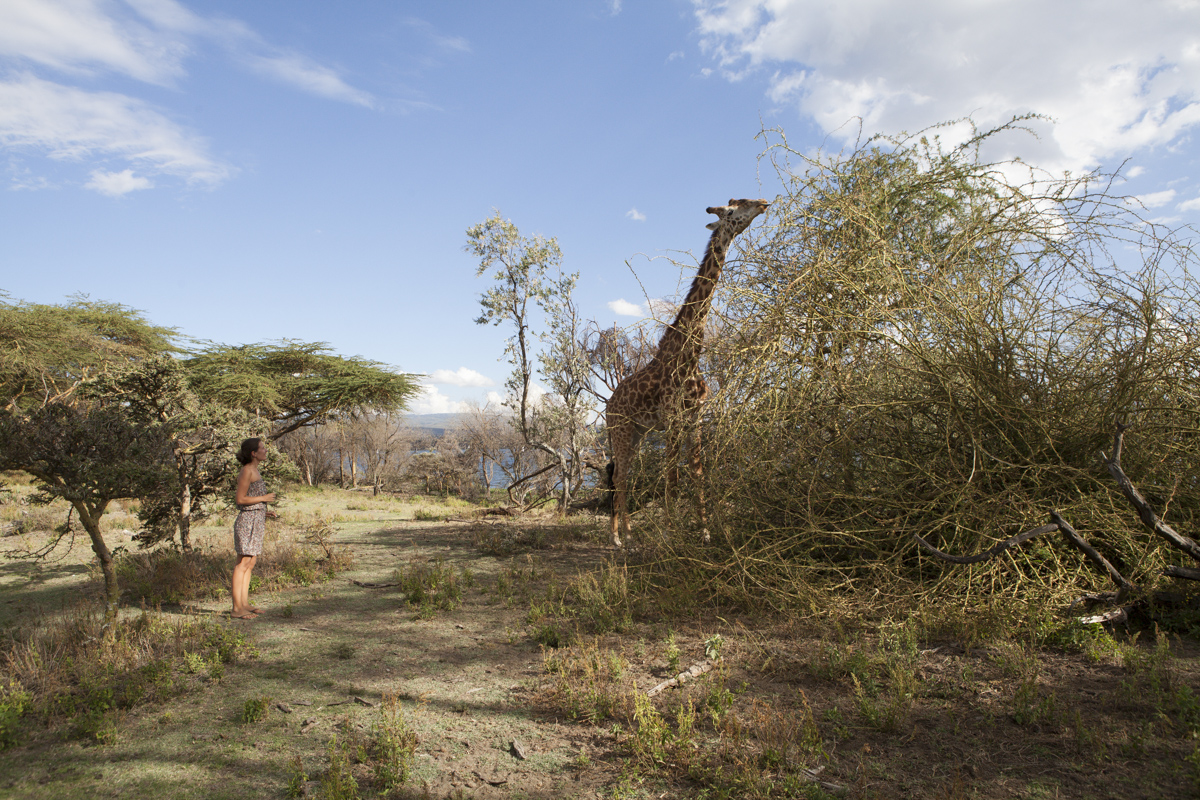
619,441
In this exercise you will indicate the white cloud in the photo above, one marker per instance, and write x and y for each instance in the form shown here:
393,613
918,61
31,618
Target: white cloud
1190,205
431,401
1116,76
495,399
460,377
306,74
115,184
1155,199
83,36
635,215
624,308
68,123
148,41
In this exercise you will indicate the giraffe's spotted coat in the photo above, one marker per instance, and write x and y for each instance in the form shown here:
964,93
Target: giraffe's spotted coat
639,402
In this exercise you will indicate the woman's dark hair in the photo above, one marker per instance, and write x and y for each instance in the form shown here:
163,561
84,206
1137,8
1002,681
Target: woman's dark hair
249,446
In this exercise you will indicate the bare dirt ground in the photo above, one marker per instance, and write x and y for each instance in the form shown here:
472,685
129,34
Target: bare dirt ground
994,720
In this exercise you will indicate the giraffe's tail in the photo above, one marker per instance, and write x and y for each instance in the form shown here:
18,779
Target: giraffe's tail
609,494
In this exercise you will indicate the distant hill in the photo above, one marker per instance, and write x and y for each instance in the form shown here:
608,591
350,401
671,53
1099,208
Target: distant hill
435,424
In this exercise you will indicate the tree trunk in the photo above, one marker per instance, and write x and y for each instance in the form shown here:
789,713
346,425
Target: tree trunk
112,592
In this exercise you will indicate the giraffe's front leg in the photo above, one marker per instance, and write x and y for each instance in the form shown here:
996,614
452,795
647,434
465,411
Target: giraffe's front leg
697,465
618,521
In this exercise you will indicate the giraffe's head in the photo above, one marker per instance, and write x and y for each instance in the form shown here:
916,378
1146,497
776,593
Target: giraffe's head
737,215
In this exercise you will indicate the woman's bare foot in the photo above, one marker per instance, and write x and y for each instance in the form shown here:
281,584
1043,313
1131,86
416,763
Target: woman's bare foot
257,610
247,614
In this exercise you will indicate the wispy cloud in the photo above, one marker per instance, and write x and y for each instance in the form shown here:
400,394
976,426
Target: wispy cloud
85,37
116,184
635,215
1155,199
1116,76
455,44
148,41
309,76
68,123
460,377
624,308
1190,205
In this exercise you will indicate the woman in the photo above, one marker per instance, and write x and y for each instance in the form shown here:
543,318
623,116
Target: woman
251,524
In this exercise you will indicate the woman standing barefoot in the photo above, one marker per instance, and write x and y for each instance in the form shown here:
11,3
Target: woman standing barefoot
251,524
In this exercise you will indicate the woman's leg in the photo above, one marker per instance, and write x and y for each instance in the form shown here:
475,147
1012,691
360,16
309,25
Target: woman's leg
241,585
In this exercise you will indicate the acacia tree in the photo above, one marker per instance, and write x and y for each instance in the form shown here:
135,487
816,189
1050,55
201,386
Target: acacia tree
85,451
202,434
529,281
293,384
47,351
926,342
88,455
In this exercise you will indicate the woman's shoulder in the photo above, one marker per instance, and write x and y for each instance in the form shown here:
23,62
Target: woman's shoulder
249,474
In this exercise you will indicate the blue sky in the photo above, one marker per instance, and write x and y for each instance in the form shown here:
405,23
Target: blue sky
307,170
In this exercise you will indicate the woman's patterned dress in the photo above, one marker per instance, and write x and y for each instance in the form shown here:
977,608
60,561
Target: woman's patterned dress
251,524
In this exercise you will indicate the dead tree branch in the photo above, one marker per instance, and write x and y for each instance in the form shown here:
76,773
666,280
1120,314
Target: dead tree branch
991,552
1135,498
1057,523
1092,553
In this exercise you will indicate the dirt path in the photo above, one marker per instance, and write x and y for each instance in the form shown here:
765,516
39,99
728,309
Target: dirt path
329,653
885,714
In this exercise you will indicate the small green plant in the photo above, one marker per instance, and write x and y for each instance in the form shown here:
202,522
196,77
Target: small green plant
344,651
672,653
1031,707
193,663
338,781
394,745
431,587
885,710
216,668
98,726
299,778
604,601
14,702
288,611
550,636
712,646
255,710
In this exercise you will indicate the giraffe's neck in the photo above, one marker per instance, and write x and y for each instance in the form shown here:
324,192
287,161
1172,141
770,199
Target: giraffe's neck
684,336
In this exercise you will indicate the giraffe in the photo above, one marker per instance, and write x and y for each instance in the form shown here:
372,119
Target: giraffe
641,401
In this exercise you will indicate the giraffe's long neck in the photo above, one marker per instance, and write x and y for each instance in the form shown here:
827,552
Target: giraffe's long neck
684,336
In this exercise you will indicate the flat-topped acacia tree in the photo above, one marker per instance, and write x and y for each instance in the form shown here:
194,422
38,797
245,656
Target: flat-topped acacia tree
290,384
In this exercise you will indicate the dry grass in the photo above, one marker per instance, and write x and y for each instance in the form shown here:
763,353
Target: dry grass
71,669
